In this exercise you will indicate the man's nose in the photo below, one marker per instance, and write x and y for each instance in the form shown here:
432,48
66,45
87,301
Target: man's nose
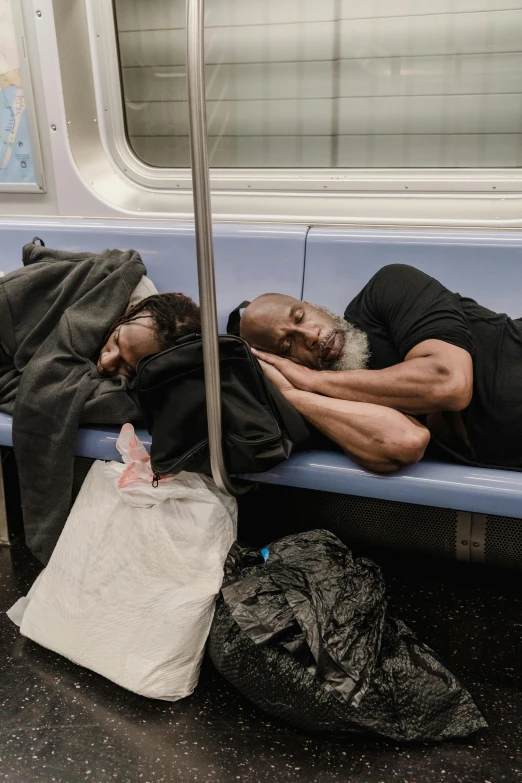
310,335
109,361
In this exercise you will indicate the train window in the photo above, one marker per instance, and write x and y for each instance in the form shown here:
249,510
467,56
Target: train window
329,83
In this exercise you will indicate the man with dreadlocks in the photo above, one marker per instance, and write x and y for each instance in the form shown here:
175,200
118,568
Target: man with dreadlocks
150,326
59,370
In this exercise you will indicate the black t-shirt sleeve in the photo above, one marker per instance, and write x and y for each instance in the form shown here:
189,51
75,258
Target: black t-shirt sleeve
415,307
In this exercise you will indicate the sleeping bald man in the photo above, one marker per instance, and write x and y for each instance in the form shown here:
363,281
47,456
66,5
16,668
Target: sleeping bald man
409,361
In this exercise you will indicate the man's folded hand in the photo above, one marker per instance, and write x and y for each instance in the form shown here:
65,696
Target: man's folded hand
299,376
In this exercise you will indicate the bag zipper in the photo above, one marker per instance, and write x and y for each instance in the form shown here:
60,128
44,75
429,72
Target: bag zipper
174,465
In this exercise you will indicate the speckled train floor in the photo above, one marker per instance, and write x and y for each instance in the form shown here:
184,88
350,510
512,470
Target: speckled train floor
63,724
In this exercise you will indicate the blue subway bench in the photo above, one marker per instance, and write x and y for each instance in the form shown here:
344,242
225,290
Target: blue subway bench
482,507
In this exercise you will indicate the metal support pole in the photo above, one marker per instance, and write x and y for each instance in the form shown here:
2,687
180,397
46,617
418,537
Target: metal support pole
204,246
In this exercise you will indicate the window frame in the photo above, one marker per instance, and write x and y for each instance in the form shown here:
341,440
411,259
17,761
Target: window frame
110,99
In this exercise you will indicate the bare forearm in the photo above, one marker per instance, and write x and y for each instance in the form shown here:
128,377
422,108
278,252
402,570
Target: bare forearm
378,438
434,376
416,386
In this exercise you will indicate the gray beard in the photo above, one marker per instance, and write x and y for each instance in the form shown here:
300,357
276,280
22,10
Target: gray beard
355,354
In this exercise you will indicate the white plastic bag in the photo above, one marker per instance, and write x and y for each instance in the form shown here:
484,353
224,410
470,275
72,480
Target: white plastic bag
130,589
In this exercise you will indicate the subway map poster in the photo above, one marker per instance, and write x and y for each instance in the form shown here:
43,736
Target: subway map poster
17,160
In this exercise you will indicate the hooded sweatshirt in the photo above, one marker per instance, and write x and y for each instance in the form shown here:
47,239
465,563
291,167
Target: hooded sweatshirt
55,314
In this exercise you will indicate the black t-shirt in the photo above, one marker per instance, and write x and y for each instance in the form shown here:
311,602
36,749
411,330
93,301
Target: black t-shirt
401,307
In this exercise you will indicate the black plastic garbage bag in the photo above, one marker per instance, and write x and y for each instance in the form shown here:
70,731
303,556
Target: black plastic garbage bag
306,636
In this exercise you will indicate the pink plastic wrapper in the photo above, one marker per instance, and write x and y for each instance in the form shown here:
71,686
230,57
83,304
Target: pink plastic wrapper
135,456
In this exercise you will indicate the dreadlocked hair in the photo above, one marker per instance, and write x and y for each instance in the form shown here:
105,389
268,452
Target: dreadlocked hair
174,316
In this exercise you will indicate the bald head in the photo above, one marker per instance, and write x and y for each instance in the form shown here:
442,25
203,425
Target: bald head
289,327
306,334
261,317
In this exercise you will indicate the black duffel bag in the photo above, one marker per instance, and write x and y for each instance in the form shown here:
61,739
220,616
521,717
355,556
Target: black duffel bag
260,427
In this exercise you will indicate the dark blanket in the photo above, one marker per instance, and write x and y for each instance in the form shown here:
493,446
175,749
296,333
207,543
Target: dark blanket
55,313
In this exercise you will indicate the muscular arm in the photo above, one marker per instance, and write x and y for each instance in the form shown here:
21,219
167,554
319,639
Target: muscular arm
377,438
435,376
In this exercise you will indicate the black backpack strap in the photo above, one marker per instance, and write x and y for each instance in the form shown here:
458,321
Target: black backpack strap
188,338
234,319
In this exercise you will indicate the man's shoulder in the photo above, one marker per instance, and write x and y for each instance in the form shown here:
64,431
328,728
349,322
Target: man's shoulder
387,278
392,288
395,273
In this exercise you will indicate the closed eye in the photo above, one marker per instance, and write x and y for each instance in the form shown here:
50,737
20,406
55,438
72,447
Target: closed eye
285,348
126,366
296,314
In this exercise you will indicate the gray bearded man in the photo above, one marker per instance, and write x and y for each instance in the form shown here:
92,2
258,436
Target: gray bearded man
410,362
